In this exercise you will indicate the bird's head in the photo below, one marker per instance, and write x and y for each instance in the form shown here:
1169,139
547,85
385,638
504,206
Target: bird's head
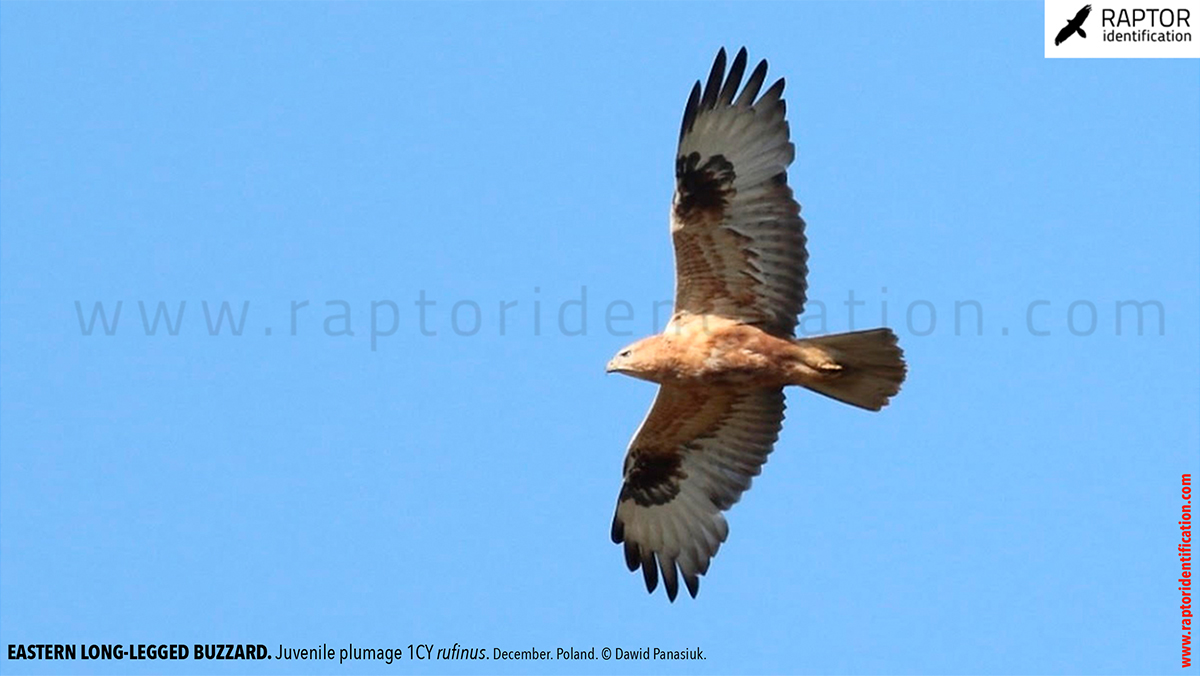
638,359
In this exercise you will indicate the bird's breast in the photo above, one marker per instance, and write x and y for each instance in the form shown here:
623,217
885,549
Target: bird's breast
734,356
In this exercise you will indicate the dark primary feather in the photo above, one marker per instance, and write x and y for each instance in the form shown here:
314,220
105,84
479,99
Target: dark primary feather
753,85
712,88
689,112
735,78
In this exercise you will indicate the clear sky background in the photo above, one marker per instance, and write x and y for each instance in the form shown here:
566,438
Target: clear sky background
1014,511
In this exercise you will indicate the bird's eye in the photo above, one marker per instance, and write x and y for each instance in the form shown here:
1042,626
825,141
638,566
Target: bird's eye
625,353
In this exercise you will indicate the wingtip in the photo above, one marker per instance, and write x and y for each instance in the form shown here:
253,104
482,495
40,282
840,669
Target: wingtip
670,579
753,85
734,79
650,573
772,97
712,87
632,560
690,111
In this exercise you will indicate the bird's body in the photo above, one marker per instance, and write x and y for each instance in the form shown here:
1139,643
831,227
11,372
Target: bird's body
729,349
714,351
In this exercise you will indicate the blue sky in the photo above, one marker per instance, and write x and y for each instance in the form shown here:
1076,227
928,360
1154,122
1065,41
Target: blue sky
1014,511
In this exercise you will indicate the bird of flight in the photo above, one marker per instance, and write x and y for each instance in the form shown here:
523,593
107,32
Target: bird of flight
1073,26
730,348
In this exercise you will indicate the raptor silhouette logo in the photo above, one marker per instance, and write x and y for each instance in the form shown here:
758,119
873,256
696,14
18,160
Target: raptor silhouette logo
1073,26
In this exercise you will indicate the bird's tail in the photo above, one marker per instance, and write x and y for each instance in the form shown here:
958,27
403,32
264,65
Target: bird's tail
860,368
1081,33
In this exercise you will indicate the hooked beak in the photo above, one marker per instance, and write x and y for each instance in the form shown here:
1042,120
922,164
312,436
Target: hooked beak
610,368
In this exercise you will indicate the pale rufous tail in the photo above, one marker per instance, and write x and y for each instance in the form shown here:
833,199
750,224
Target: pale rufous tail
860,368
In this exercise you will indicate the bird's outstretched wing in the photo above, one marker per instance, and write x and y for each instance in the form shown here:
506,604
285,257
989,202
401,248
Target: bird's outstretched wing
739,239
691,459
1081,15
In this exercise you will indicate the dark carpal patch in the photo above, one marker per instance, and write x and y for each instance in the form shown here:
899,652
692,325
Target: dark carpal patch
702,190
652,478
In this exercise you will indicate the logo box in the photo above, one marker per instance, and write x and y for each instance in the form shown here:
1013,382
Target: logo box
1122,29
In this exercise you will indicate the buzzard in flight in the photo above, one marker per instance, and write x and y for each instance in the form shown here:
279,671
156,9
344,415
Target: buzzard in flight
1073,26
730,347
